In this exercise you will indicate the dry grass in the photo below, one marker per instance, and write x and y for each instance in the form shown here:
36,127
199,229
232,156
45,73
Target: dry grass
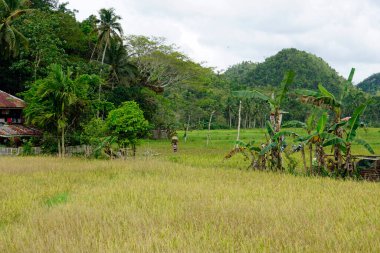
74,205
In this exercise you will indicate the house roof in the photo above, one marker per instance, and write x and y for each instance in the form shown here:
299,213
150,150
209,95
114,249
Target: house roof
18,131
9,101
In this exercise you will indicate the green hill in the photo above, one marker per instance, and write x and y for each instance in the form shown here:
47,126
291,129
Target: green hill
310,70
371,84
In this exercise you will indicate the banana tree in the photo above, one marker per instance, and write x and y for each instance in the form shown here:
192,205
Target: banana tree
250,152
275,101
349,136
325,99
317,138
275,146
309,126
266,155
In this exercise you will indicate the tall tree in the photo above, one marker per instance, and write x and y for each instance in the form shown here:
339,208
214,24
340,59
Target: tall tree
10,37
53,101
108,26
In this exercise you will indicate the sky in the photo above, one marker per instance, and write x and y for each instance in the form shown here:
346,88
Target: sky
221,33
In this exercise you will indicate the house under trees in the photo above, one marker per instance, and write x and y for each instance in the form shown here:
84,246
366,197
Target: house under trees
12,128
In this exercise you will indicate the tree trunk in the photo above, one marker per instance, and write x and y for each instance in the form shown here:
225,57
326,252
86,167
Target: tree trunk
187,127
209,127
311,157
348,165
59,148
339,133
100,83
304,158
239,122
63,142
230,117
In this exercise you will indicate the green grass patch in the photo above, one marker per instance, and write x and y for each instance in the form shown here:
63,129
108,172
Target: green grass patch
60,198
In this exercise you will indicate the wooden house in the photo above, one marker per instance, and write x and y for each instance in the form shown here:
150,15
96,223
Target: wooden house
12,126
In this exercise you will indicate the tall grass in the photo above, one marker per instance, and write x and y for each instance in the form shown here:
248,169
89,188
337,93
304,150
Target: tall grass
155,205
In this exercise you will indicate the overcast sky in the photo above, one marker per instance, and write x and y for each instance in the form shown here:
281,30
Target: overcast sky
346,33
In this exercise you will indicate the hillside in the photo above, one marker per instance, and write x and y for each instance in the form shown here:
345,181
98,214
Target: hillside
370,84
310,70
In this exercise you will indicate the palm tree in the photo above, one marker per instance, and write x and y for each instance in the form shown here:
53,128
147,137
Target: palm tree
53,100
108,28
10,37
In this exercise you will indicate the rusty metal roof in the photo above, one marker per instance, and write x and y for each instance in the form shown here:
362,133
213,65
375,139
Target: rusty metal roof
17,130
9,101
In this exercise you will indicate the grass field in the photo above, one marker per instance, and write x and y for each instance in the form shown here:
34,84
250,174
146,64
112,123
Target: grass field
192,201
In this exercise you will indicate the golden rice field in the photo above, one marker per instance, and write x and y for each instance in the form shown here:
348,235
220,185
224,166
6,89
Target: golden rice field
192,201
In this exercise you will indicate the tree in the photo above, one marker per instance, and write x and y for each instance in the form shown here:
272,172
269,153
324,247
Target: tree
345,142
10,37
121,69
275,102
54,102
127,124
108,28
325,99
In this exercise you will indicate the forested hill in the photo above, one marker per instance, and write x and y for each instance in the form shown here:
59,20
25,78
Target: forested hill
371,84
310,70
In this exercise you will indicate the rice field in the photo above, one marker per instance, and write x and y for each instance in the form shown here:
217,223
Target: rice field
191,201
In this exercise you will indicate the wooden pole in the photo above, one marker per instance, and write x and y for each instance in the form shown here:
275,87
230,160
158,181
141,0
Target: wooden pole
238,130
209,128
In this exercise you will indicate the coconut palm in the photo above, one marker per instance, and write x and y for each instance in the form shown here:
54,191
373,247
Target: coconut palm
10,38
108,27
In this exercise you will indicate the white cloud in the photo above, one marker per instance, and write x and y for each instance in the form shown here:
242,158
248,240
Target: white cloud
224,32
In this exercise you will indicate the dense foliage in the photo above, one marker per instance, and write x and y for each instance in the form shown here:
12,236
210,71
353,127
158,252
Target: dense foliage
371,84
173,91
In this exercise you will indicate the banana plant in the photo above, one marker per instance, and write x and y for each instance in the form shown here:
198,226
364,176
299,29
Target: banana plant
325,99
309,127
350,128
250,152
316,137
275,146
275,101
267,155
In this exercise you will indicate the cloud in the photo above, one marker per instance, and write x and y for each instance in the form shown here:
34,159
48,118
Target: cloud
224,32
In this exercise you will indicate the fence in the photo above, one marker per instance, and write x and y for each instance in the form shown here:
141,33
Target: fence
18,151
78,150
82,150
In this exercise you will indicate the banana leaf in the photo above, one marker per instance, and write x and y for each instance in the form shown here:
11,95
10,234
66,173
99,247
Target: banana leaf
252,94
286,82
365,144
334,141
354,122
270,129
268,148
322,123
325,92
284,133
293,123
336,126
